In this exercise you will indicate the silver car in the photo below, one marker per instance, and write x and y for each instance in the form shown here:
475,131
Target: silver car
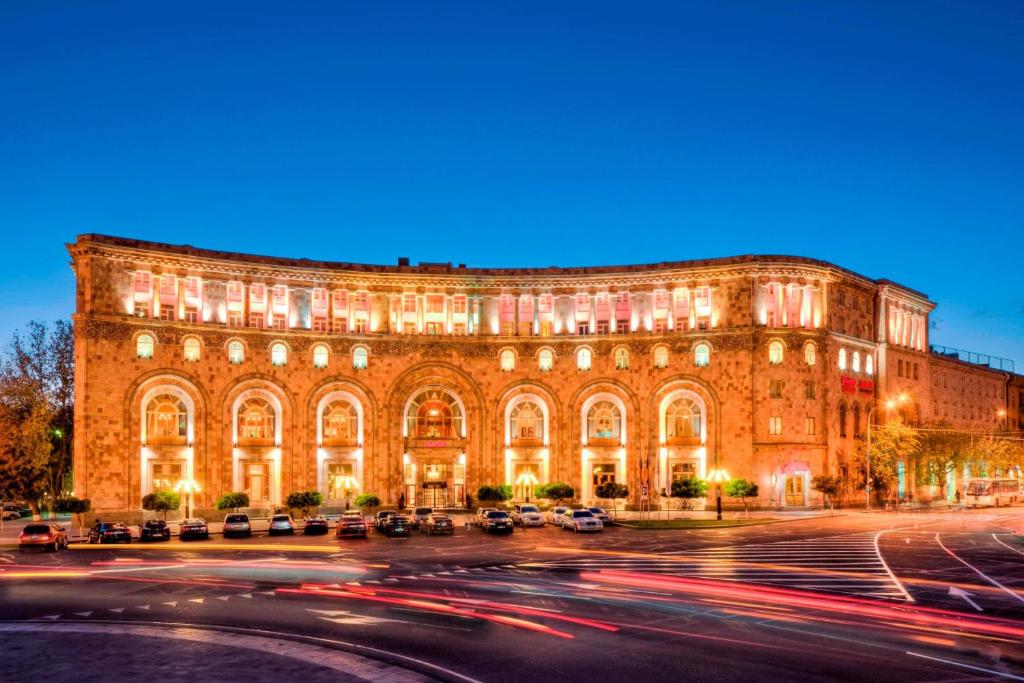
237,524
527,515
555,515
282,524
581,520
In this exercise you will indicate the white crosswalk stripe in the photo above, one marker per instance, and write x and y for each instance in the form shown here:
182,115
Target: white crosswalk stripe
847,564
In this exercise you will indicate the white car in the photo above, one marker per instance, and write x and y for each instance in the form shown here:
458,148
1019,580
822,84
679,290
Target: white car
282,524
581,520
237,524
555,515
527,515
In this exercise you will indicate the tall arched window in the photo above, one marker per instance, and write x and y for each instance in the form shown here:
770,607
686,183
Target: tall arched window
526,422
278,353
320,356
546,360
166,420
144,346
508,360
236,352
434,414
842,359
810,353
869,364
360,358
621,359
191,349
661,357
583,359
842,419
856,361
256,421
604,422
702,355
775,352
341,423
856,420
682,422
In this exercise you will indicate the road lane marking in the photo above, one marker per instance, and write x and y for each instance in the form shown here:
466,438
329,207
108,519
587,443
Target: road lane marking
1001,674
1008,547
977,571
881,559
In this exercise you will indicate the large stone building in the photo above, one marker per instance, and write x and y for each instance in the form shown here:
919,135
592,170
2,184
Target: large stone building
423,382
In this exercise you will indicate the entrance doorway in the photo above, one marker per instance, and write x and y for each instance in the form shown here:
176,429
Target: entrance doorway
795,490
257,483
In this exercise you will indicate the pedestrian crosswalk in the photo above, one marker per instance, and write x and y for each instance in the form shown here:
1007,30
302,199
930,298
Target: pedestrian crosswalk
848,564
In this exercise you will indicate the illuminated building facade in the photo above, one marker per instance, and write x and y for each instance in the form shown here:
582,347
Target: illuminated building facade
423,382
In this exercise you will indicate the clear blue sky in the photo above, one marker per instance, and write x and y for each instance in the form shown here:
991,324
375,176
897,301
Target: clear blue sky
887,137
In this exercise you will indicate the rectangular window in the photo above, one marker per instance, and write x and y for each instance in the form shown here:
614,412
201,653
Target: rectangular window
255,320
280,322
545,328
141,309
508,329
602,327
525,329
915,371
661,326
775,388
809,426
340,325
234,318
809,390
702,324
409,328
191,314
435,328
582,328
362,301
166,312
622,326
359,327
459,329
320,324
435,303
409,303
775,426
459,304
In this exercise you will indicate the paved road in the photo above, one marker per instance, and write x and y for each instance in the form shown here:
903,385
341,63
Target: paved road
880,596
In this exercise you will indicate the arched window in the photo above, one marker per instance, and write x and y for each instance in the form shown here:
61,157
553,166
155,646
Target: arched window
546,360
856,361
320,355
842,359
842,419
621,359
869,364
604,422
775,352
278,353
341,423
526,422
256,421
661,357
360,358
682,422
191,349
434,414
856,420
702,355
810,353
144,346
508,360
166,420
236,352
583,359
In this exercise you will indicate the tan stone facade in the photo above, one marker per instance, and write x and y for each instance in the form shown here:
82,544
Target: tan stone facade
271,375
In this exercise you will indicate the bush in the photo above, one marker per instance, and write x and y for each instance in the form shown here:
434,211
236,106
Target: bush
742,489
829,486
72,505
611,490
494,494
556,491
233,501
303,500
368,500
689,488
161,501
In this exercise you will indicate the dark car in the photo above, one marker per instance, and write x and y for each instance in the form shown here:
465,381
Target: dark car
46,536
497,521
155,530
316,525
110,532
420,514
437,523
194,528
351,525
397,525
382,518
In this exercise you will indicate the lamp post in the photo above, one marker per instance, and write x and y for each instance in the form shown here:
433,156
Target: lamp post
188,487
889,405
348,483
717,476
529,480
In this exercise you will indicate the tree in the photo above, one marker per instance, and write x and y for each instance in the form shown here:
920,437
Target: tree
494,494
830,486
368,500
77,507
161,501
689,489
611,490
25,450
304,500
233,501
892,443
742,489
556,491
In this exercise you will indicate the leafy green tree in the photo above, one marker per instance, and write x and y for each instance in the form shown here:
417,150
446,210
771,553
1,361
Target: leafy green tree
304,500
557,492
161,501
25,450
688,489
232,501
742,489
830,486
494,494
76,507
368,501
612,491
892,443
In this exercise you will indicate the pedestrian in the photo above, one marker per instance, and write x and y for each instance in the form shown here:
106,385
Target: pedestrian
958,496
401,501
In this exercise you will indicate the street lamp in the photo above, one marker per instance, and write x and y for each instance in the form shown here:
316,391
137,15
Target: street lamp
188,487
889,405
717,476
347,483
529,480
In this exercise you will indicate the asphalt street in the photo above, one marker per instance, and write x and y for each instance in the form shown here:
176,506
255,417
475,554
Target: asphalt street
923,596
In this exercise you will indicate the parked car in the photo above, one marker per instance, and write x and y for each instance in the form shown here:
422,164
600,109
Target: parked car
382,518
397,525
110,532
194,528
420,514
155,530
481,515
237,524
581,520
47,536
555,515
282,524
11,511
602,515
351,525
527,515
316,525
437,523
497,521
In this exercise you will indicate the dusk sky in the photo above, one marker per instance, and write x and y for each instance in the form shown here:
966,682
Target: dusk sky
887,138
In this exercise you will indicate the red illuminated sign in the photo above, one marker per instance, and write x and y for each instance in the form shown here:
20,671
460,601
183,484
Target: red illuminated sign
849,385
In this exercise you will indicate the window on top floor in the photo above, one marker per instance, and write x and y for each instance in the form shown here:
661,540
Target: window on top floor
191,349
621,359
144,346
546,360
583,358
360,358
661,357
